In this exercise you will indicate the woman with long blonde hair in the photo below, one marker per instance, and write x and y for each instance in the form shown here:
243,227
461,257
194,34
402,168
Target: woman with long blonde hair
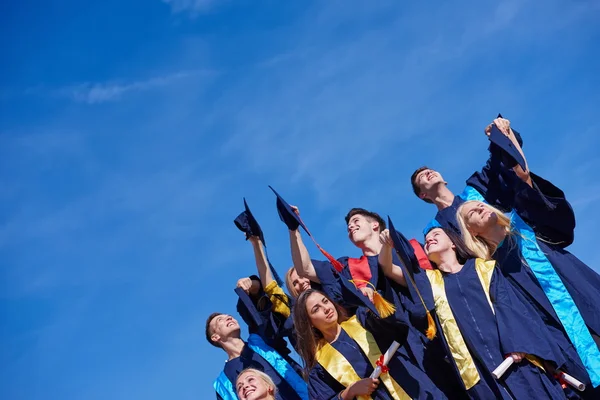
477,310
529,246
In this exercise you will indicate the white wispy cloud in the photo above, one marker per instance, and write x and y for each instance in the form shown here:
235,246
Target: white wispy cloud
94,93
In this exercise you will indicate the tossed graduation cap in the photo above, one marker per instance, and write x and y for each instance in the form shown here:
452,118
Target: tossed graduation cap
409,260
508,147
287,214
293,221
249,225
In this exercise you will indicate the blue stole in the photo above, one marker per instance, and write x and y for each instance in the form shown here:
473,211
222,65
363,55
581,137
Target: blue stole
559,297
225,389
553,287
470,193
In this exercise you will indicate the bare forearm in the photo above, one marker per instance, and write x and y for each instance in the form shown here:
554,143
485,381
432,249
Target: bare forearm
390,270
262,264
301,258
523,175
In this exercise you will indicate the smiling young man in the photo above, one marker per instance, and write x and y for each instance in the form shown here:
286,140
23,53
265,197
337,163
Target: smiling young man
363,228
223,331
495,182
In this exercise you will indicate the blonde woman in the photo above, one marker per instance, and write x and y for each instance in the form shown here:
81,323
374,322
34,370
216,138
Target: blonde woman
252,384
529,247
477,311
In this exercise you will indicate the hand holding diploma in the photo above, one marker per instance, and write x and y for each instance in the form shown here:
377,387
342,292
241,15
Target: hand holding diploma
386,359
517,357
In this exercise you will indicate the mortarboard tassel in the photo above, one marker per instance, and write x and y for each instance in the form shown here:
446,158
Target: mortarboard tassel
384,307
431,330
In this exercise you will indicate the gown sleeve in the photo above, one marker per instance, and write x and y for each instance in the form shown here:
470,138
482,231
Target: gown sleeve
321,385
546,210
520,328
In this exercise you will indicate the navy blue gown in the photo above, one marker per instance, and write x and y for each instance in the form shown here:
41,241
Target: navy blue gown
425,353
545,209
402,367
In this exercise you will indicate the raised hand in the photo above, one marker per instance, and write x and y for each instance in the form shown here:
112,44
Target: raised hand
245,284
385,238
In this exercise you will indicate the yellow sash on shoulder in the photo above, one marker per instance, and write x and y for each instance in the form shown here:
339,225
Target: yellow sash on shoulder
456,342
485,270
341,370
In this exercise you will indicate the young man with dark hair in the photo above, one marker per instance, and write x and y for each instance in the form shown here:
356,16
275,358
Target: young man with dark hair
363,229
495,183
222,330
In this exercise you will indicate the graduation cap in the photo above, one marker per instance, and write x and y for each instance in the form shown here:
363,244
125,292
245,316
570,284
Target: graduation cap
405,252
249,225
292,219
503,142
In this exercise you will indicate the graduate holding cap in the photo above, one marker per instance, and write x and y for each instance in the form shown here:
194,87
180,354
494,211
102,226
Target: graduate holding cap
481,319
529,244
365,275
494,182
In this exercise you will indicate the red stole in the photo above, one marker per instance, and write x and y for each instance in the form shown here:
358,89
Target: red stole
360,271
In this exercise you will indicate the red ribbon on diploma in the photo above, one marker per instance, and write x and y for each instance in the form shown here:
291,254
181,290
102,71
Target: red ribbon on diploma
379,363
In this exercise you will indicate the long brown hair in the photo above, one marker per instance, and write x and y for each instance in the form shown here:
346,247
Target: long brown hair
307,336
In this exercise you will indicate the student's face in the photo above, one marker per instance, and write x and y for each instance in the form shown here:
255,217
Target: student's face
360,229
224,326
427,179
478,217
299,283
250,386
321,311
437,242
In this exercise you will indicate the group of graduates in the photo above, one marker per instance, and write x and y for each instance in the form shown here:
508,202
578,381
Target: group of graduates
490,285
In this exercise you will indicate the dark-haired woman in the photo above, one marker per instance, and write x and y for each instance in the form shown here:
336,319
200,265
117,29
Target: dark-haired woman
483,321
340,353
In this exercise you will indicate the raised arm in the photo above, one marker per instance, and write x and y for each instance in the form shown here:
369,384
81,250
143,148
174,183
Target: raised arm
540,203
390,270
262,265
300,257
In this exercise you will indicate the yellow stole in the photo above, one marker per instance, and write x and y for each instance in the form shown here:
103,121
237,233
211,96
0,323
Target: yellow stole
456,342
341,370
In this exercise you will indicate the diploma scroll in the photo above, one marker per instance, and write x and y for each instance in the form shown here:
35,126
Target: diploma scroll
501,369
571,381
386,359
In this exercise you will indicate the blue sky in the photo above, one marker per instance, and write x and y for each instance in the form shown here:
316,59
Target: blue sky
131,130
